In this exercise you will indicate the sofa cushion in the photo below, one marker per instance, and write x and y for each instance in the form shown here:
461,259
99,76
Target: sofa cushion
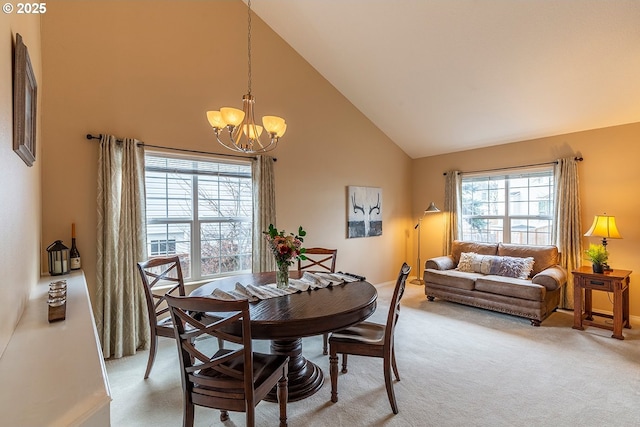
451,278
508,286
458,247
498,265
543,256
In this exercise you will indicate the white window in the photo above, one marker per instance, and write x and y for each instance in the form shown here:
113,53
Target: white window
515,207
201,210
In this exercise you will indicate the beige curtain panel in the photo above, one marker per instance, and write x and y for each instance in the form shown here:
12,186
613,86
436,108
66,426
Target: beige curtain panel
120,307
568,230
452,203
264,212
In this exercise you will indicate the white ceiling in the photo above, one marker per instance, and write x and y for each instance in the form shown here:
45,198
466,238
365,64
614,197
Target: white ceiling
439,76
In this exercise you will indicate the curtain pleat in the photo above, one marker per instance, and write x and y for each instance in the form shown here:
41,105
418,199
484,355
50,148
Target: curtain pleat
264,212
452,203
120,307
568,230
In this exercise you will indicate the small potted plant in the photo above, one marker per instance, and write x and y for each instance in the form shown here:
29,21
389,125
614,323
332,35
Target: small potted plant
598,256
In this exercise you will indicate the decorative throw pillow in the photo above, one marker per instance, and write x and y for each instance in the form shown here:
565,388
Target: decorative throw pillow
466,259
516,267
506,266
486,264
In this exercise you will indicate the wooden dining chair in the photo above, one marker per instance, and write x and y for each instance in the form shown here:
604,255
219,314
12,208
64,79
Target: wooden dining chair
164,271
323,260
319,259
232,379
370,339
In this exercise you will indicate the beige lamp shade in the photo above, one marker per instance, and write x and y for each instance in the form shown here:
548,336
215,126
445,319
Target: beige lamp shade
215,119
232,116
251,131
274,125
604,226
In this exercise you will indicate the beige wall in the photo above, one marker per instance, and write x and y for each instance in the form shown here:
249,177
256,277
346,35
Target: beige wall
20,188
609,178
151,70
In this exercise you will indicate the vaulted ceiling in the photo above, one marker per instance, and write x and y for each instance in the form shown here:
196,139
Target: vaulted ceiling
439,76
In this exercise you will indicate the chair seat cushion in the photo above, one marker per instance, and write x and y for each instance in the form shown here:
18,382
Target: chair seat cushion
363,332
209,381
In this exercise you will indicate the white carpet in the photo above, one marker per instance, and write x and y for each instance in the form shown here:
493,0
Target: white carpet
459,366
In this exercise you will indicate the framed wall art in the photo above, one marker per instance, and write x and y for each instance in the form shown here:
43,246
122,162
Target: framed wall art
25,94
364,212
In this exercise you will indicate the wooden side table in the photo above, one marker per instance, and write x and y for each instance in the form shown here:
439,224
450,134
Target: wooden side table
616,281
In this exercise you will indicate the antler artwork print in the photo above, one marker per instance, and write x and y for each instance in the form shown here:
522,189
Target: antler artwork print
365,213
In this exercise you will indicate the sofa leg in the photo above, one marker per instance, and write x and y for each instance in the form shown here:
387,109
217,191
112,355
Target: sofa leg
430,298
535,322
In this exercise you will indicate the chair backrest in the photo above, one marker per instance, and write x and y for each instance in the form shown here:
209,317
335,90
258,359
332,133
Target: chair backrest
224,375
319,259
164,270
394,308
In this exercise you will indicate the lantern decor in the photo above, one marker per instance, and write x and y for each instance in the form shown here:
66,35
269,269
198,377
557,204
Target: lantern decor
58,258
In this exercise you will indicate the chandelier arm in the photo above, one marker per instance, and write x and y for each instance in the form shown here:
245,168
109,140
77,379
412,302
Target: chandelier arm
230,145
273,143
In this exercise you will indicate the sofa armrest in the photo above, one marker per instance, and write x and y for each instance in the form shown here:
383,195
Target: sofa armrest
551,278
441,263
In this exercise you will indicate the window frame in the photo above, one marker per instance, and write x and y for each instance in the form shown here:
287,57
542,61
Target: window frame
193,223
505,203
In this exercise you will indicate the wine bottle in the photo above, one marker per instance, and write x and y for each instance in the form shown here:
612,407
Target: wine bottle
74,254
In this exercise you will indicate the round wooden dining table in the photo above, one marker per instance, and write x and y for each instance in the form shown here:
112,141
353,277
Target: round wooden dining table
285,320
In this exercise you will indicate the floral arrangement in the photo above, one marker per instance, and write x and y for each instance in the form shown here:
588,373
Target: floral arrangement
286,248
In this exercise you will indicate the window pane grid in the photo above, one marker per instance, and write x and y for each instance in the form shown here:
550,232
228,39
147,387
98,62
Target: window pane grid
516,208
202,211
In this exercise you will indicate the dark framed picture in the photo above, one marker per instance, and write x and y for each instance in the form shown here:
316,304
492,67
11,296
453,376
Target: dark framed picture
25,95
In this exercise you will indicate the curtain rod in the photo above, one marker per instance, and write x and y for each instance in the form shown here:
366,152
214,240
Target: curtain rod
183,150
578,159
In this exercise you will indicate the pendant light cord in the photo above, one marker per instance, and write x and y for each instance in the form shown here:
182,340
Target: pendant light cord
249,43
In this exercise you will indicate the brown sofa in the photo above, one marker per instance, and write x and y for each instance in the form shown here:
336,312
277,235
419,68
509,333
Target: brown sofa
484,280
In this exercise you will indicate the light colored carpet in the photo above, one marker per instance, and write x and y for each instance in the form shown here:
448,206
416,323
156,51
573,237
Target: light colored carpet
459,366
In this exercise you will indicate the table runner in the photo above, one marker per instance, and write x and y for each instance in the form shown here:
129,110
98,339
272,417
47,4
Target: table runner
308,281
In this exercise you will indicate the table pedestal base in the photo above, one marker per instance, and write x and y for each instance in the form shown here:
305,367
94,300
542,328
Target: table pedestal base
305,377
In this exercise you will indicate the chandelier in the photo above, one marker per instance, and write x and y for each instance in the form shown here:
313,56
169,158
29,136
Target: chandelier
237,129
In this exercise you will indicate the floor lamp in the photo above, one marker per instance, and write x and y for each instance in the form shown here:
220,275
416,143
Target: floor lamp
432,208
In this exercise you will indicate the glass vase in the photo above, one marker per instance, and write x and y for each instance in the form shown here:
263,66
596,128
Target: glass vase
282,276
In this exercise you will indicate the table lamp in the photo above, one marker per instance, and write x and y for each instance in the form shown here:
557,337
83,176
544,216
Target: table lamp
432,208
604,226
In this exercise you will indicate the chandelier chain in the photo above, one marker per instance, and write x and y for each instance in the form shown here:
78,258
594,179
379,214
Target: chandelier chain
249,44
